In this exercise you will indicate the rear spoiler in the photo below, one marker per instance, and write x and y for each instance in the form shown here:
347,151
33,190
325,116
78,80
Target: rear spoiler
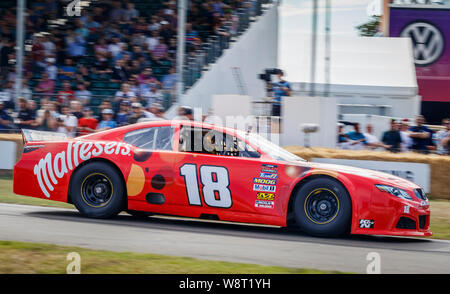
32,135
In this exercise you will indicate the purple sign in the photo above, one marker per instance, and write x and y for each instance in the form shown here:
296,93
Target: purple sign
429,30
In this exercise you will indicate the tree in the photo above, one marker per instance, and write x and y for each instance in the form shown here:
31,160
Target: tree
370,28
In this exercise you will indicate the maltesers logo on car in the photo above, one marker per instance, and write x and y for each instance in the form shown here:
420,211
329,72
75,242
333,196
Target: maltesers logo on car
50,169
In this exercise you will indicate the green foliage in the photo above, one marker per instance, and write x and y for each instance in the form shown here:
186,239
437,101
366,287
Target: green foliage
370,28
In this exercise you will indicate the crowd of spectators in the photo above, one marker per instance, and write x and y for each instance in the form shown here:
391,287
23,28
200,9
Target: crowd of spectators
402,136
112,42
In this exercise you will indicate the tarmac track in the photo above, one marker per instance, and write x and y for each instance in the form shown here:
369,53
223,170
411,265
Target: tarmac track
222,241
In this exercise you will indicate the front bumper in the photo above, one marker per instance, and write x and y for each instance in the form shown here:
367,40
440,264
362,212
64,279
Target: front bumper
393,216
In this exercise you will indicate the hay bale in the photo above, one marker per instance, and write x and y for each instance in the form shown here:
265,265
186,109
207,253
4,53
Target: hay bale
439,165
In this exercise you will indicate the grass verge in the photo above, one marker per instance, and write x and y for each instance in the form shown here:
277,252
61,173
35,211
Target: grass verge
36,258
440,209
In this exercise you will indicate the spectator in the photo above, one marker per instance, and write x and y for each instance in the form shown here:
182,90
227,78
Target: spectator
6,121
372,140
280,88
66,122
38,54
124,113
185,113
119,74
421,135
107,121
125,94
76,45
45,86
153,41
87,124
25,116
66,94
46,122
357,139
7,95
6,50
51,69
67,71
137,113
26,92
49,46
152,96
147,79
82,94
131,12
392,138
169,81
82,76
158,111
101,66
114,48
442,138
160,52
404,133
76,108
342,138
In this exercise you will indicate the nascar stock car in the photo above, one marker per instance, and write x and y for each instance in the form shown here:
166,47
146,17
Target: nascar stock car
199,170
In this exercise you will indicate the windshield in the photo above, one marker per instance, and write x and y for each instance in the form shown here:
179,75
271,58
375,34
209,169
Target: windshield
270,148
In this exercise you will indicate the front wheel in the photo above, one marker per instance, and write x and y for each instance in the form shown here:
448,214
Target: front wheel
97,190
323,207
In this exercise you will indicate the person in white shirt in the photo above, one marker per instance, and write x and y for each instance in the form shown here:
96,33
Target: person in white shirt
153,96
404,135
372,142
51,68
442,138
153,41
67,123
115,47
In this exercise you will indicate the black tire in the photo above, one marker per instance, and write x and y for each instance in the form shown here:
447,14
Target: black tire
323,208
97,190
139,214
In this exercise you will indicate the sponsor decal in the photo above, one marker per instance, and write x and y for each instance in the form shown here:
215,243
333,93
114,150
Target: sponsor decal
264,204
267,175
264,181
265,196
270,168
51,168
406,209
366,223
264,188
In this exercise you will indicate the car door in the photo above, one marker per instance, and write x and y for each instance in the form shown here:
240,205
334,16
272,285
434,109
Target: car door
217,177
151,177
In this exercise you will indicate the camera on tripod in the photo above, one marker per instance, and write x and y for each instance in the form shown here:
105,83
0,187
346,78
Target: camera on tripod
267,75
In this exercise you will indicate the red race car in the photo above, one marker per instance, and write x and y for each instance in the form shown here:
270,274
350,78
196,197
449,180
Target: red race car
199,170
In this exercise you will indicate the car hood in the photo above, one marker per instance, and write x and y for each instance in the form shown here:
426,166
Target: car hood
383,178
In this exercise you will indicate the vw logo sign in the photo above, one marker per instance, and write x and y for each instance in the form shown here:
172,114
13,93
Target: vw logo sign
428,42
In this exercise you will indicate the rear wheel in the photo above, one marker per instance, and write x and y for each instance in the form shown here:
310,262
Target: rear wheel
323,207
97,190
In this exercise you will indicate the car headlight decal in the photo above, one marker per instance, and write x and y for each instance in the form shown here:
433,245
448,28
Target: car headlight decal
397,192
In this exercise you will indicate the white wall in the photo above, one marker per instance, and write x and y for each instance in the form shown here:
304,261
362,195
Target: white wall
255,50
296,110
8,155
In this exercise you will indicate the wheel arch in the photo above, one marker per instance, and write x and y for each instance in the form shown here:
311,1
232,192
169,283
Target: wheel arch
343,181
103,160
